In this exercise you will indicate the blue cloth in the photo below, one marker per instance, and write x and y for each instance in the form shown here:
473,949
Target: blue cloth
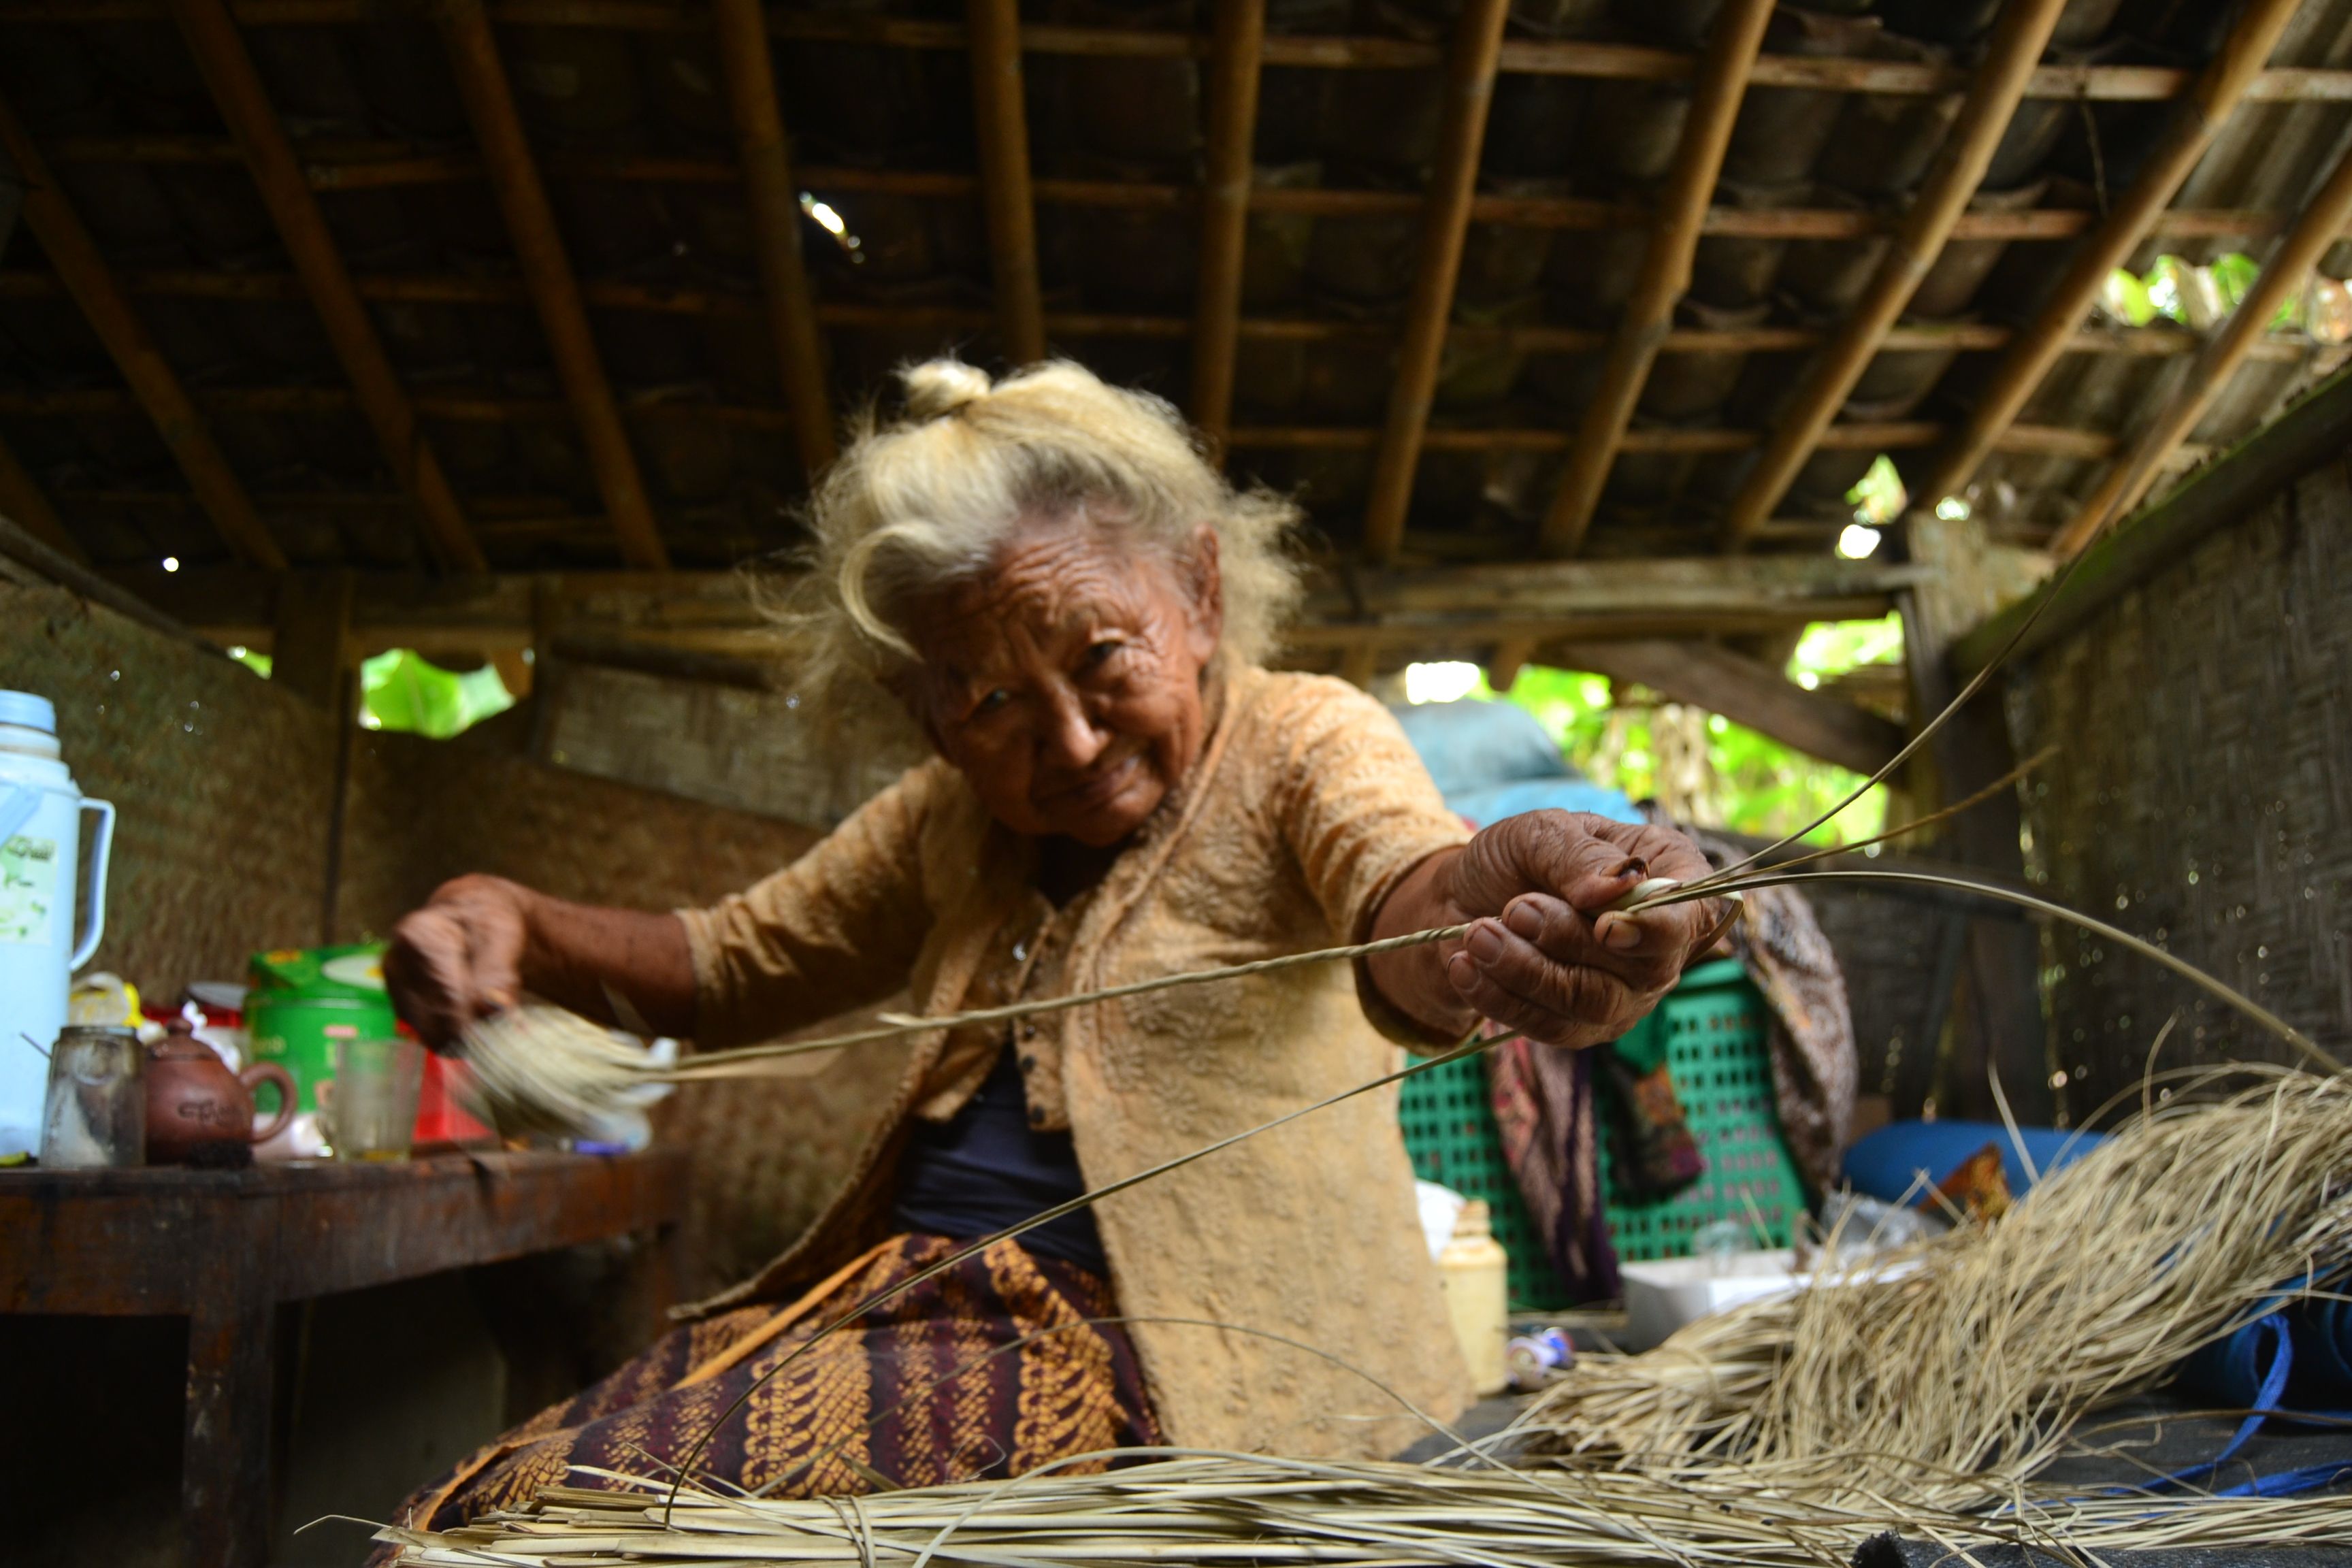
1491,804
986,1168
1886,1164
1470,745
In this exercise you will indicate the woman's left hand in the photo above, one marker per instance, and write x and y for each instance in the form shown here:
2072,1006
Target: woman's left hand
1545,954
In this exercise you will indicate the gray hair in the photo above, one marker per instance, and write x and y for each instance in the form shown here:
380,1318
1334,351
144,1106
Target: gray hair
927,500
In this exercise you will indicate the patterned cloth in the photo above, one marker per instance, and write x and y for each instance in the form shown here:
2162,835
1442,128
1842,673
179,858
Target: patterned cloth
1543,1108
908,1394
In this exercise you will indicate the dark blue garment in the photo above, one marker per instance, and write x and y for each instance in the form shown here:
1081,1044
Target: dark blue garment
986,1168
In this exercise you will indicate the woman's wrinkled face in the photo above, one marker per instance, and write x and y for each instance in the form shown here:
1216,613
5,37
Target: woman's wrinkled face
1065,681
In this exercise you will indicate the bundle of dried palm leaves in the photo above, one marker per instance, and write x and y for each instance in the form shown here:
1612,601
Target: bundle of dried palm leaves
1952,1378
1212,1510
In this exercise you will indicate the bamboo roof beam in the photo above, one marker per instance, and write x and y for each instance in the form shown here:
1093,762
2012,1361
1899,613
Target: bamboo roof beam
342,165
1446,224
760,144
1829,376
451,288
1002,122
86,276
24,503
472,51
236,90
1665,272
2193,125
1238,41
2286,270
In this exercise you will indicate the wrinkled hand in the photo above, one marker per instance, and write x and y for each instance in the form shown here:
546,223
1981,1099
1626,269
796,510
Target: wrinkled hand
1546,956
458,958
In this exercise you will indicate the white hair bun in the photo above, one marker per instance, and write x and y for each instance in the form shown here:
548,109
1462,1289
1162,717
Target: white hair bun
941,386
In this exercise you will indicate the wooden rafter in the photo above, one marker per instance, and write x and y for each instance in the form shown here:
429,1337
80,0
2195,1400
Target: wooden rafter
1239,39
1828,377
760,144
1746,691
2286,269
1002,123
481,75
2156,339
23,502
1665,271
2194,123
236,89
1445,224
1580,57
75,255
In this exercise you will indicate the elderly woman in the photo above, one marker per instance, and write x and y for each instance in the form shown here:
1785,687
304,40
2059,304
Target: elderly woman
1073,605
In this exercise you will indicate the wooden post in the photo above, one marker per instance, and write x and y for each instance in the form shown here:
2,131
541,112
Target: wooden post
1360,661
994,27
220,55
91,282
2286,269
311,645
1445,223
1234,54
2015,49
1665,271
744,56
1509,657
2031,355
472,51
22,503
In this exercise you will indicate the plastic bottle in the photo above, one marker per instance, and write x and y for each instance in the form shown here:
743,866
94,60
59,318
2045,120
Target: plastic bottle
1473,1270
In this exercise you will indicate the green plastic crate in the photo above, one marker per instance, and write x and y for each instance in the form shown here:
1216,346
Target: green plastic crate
1712,1029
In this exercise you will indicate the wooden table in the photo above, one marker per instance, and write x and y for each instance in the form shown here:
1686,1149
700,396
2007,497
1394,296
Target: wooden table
225,1248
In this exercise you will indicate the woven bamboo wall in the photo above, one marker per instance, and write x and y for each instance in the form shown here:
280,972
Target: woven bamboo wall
2203,793
222,783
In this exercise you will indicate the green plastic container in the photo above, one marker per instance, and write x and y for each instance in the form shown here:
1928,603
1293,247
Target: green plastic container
305,999
1711,1031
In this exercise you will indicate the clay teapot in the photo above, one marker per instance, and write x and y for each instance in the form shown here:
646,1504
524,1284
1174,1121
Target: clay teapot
199,1112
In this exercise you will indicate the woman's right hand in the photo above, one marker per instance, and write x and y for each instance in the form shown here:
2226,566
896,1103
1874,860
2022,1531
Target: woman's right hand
460,957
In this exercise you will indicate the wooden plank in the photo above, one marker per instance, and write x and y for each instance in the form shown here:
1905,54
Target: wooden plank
481,77
2285,271
1509,658
312,653
226,1447
120,1243
2193,125
1746,691
1665,272
1002,125
75,255
1239,39
743,55
1828,377
260,137
1445,224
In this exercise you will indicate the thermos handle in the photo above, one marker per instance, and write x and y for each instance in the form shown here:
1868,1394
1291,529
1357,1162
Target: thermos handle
94,886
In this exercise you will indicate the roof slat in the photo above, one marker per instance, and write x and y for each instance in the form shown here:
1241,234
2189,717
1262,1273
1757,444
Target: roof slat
75,255
1240,39
473,52
1002,123
2286,269
237,90
1828,377
2192,130
1648,315
23,503
749,70
1445,224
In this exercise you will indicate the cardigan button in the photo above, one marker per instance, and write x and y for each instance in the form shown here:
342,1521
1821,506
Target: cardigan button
1028,1060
